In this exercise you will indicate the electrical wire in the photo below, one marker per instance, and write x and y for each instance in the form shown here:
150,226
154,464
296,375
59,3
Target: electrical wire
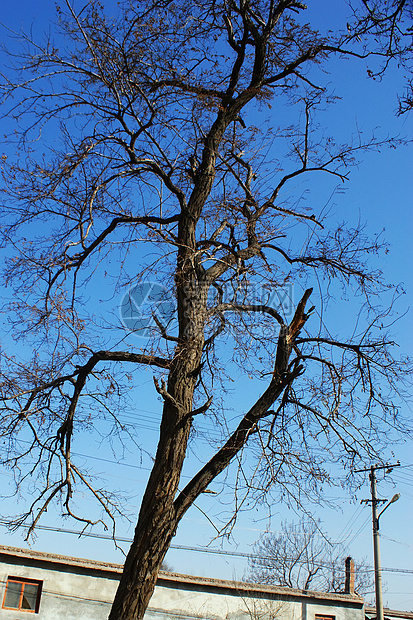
347,529
357,534
240,554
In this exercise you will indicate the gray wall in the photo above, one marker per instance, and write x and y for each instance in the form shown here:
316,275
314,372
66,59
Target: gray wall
77,593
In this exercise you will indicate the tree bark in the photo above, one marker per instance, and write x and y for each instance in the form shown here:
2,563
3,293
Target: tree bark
157,519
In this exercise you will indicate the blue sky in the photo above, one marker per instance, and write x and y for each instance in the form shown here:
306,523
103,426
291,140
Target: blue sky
379,193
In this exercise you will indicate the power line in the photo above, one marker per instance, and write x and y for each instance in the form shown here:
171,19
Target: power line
361,528
347,529
240,554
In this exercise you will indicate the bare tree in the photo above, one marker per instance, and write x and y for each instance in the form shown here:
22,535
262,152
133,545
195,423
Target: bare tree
301,556
396,42
138,158
260,608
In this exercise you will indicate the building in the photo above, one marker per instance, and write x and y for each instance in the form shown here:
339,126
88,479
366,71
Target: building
389,614
58,587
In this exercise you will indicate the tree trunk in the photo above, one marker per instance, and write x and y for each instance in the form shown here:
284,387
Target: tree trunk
157,520
153,535
157,523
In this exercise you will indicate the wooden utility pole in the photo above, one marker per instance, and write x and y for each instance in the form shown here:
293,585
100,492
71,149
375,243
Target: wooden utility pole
376,535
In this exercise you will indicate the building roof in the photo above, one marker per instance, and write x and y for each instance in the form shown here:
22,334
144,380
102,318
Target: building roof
389,613
168,578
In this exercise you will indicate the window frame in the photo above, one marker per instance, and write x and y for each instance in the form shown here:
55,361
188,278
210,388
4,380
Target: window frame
23,581
324,617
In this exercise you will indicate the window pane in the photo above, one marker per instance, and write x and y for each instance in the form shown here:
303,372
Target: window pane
29,596
13,594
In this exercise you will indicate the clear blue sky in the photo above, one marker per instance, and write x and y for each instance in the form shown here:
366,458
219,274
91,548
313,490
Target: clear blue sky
380,193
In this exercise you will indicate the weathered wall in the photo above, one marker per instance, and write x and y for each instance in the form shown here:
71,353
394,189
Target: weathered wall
82,590
65,594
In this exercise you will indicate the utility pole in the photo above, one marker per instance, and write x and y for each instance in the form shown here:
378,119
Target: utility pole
376,535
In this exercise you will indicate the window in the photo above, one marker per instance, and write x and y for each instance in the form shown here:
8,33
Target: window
22,594
323,617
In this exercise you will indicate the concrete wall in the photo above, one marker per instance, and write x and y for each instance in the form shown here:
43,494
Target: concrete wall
84,591
202,601
65,595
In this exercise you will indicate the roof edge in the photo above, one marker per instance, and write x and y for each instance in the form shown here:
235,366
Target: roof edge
393,613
